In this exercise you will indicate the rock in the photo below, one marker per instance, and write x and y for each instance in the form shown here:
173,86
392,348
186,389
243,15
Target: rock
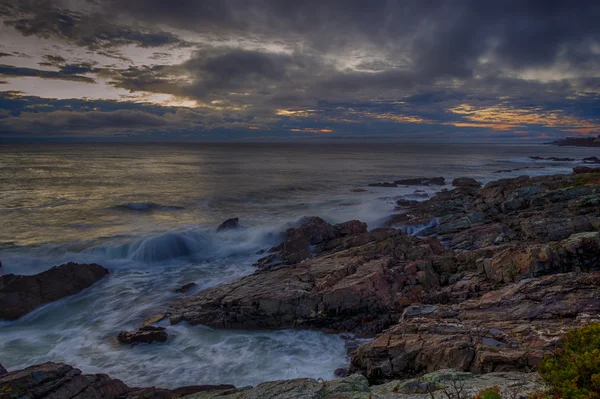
185,288
153,319
465,182
591,160
403,203
383,185
579,252
58,380
585,169
358,190
508,329
350,228
312,235
421,181
20,295
229,224
437,385
2,370
341,372
146,334
360,289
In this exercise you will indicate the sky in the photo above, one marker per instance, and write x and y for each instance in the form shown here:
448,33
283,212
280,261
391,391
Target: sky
213,70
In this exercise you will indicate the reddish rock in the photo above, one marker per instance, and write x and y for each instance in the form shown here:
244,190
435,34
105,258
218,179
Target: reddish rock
508,329
146,335
20,295
356,290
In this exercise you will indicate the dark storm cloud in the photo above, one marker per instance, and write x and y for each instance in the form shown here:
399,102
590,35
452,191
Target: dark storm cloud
95,31
314,64
70,72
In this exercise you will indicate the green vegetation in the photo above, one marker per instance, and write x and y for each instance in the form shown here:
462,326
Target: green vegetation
491,393
573,372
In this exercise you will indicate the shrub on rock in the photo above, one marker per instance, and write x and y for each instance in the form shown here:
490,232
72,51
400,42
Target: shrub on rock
573,372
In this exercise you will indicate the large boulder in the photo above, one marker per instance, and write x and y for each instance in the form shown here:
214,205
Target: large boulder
511,328
360,289
20,295
311,236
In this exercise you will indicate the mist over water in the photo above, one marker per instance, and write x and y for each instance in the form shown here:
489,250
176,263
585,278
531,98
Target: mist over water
148,213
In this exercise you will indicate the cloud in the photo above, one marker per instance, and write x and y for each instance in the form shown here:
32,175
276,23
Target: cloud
95,30
70,72
441,65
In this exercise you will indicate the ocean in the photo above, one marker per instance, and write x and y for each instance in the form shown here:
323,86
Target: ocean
148,213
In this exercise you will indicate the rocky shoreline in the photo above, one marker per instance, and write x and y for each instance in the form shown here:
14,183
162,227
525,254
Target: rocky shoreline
487,283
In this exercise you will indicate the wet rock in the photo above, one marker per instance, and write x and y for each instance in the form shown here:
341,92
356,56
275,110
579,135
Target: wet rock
146,335
591,160
360,289
341,372
312,236
421,181
20,295
358,190
185,288
585,169
465,182
404,203
508,329
229,224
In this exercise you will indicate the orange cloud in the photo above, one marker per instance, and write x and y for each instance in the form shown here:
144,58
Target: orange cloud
504,117
311,130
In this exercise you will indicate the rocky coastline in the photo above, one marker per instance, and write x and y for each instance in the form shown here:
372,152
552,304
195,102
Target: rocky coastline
480,280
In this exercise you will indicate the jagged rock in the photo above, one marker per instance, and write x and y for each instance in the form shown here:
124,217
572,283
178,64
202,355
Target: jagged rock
511,328
429,386
421,181
2,370
465,182
20,295
576,253
185,288
229,224
146,334
357,289
58,381
312,236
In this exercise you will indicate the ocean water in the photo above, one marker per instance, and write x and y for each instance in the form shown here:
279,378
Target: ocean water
148,213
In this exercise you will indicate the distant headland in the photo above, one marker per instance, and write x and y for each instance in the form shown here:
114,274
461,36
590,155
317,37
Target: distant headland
593,141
